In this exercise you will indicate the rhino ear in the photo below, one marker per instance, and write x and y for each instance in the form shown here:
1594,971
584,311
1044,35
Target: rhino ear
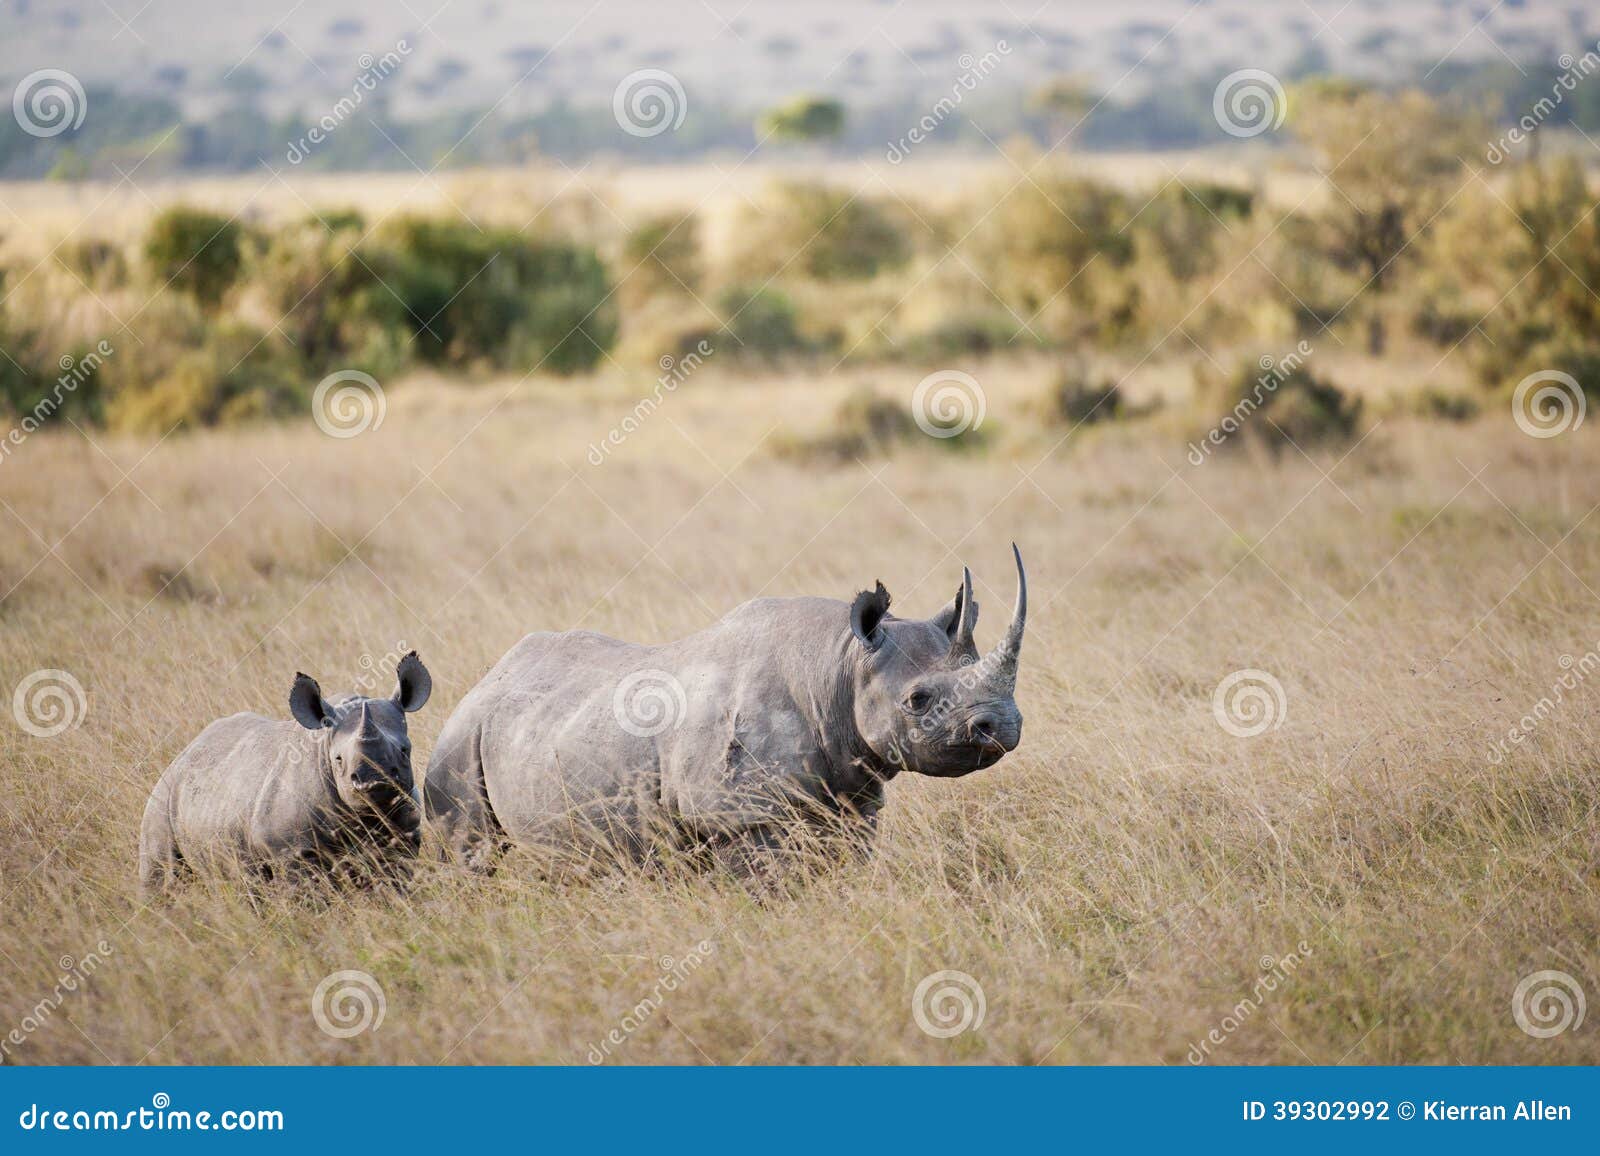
305,703
949,619
867,613
416,684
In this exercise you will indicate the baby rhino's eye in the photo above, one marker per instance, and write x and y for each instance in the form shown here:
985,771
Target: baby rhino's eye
919,700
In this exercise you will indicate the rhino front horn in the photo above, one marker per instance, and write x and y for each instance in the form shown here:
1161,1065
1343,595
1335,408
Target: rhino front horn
1005,669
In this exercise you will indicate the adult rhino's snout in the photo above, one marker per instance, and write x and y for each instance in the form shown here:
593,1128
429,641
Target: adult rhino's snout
999,727
994,731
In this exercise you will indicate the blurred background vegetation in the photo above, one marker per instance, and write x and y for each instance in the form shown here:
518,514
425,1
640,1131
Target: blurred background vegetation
1417,252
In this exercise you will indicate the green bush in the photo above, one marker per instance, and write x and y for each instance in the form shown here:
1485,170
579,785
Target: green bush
1075,400
865,424
964,334
1034,241
868,424
819,232
468,296
324,299
238,375
197,251
1282,405
663,256
761,323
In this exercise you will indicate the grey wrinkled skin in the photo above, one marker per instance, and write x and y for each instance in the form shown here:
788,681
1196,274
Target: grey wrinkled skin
286,798
786,708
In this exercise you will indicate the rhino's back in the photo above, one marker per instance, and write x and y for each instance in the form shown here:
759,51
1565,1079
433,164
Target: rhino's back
576,733
241,784
541,731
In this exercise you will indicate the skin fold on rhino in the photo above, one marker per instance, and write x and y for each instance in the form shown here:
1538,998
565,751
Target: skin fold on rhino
587,748
329,789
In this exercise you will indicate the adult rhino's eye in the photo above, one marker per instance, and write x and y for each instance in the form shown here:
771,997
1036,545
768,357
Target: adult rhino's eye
919,700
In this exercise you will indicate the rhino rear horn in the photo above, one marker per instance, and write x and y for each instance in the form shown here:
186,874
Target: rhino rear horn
966,618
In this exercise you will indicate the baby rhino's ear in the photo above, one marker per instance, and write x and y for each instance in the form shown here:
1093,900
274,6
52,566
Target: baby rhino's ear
305,703
415,684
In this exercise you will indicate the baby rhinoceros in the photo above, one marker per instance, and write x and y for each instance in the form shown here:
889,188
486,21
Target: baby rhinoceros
330,790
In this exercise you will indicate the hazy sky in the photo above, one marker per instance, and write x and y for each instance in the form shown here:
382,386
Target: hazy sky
476,52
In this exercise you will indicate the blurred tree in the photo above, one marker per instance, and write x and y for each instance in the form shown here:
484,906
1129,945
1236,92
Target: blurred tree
195,250
1064,102
1392,159
805,118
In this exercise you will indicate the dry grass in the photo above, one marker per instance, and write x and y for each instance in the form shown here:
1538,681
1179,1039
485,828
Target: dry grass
1113,885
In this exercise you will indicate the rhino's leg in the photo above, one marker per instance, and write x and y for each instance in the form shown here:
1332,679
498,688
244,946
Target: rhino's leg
457,802
159,859
754,855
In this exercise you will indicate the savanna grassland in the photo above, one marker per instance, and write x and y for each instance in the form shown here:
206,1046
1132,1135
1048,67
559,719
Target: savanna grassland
1115,886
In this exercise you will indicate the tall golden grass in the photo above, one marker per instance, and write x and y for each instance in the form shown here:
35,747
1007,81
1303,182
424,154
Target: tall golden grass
1115,887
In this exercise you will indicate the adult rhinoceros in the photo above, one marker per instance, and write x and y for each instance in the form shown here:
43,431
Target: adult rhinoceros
585,746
